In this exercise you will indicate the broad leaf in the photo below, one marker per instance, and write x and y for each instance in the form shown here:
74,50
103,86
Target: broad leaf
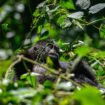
68,4
76,15
90,96
83,4
31,78
64,22
82,51
96,8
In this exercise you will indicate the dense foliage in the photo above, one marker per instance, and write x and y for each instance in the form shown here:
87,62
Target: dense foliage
77,26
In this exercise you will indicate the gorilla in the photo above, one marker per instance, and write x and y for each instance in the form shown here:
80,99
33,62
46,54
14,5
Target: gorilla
48,48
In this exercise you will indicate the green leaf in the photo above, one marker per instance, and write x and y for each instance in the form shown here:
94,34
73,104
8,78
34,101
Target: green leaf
4,65
50,62
5,27
31,78
76,15
7,97
96,8
36,13
82,51
64,22
48,84
98,54
24,92
68,4
88,96
61,19
83,4
102,31
65,86
51,30
100,71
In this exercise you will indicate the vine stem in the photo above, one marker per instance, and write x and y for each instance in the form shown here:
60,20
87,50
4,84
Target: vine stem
92,22
11,66
21,57
95,21
36,63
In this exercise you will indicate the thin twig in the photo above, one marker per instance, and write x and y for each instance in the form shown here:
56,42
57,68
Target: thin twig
11,66
51,70
36,63
21,57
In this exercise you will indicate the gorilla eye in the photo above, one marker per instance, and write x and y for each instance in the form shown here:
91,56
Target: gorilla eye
50,46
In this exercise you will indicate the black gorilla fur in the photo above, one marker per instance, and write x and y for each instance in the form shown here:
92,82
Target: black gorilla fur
47,48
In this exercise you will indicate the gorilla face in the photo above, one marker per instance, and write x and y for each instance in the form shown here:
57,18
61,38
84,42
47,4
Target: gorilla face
42,50
52,52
